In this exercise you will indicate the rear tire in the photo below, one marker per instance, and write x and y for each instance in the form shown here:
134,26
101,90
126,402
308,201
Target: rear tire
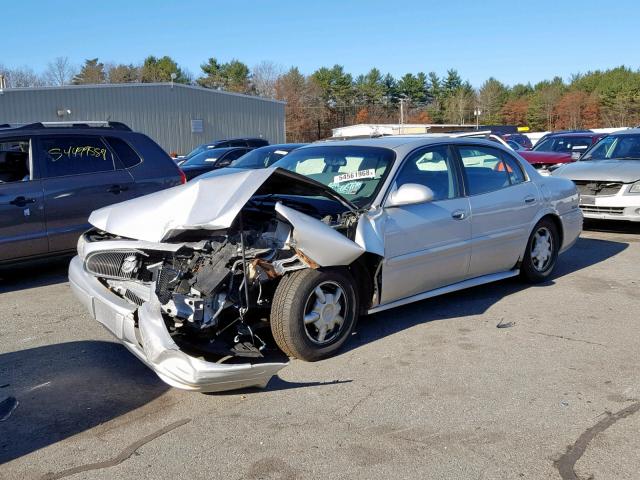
542,252
313,313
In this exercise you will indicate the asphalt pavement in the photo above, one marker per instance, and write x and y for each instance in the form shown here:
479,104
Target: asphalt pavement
430,390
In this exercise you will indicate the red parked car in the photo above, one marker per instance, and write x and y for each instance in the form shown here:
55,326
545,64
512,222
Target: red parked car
555,149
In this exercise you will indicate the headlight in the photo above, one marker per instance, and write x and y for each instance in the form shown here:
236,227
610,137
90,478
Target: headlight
635,188
81,244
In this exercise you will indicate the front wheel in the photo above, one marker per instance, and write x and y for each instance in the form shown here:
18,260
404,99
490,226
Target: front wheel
542,252
313,313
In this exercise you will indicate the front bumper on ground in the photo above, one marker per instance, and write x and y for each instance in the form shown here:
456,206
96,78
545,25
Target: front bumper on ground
152,343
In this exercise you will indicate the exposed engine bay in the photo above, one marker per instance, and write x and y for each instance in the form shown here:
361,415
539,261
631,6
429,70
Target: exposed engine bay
215,288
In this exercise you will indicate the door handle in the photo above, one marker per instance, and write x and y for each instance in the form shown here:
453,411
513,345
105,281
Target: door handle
459,215
22,201
529,199
117,189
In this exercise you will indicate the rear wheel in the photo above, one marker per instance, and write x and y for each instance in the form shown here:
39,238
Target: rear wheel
313,313
542,252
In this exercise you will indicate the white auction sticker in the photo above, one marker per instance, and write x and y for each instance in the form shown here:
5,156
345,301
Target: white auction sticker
346,177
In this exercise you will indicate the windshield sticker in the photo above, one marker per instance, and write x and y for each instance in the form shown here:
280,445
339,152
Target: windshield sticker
350,188
346,177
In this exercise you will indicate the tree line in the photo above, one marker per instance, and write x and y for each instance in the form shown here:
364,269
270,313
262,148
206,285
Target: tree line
330,97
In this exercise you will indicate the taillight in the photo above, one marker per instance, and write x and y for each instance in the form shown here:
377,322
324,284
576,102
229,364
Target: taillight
183,177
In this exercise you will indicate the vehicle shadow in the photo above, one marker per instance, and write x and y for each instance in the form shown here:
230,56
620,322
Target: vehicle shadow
477,300
34,274
64,389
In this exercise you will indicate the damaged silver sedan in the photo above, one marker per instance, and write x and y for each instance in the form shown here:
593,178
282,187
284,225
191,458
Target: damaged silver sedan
210,282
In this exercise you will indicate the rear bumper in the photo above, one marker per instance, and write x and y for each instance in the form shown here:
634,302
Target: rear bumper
153,345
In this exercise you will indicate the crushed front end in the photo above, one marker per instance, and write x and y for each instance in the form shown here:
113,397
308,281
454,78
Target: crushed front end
195,306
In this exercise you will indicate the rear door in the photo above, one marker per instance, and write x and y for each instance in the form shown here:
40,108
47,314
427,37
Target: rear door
81,174
503,206
22,226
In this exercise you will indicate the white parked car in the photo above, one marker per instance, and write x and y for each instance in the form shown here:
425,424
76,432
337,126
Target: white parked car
197,279
608,177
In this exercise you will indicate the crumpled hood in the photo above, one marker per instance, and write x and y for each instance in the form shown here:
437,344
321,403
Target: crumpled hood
208,203
625,171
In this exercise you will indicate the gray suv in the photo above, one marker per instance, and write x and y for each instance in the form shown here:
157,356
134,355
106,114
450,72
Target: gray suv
53,177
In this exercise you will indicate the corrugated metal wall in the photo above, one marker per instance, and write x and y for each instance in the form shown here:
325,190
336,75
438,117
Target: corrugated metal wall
161,111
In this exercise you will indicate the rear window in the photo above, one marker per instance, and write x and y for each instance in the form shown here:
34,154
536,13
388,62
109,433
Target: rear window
74,155
127,155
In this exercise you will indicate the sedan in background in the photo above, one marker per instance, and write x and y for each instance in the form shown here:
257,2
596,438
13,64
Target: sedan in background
556,149
230,142
211,159
264,157
520,139
608,177
195,281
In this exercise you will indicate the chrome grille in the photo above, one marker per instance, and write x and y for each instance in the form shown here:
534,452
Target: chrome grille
601,189
606,210
110,264
133,297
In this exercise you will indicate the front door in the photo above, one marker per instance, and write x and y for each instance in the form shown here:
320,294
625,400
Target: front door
22,227
427,245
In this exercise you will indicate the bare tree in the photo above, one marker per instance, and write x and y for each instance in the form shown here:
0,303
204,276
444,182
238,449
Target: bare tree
264,78
21,77
60,71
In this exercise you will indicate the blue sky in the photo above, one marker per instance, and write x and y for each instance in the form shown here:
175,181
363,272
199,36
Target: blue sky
511,40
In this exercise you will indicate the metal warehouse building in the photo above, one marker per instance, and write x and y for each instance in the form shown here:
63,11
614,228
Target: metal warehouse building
178,117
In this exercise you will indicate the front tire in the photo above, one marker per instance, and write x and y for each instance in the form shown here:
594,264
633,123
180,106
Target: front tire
542,252
313,313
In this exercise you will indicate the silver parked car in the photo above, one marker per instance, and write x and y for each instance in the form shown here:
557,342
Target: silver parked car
190,278
608,177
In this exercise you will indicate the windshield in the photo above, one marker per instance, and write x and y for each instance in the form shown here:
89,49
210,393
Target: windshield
563,144
619,147
206,157
354,172
260,157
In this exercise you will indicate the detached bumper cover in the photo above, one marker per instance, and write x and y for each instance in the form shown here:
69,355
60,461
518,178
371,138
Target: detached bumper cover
153,345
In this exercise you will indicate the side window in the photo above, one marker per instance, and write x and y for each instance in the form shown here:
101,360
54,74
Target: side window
433,168
235,154
73,155
516,175
127,155
15,160
484,169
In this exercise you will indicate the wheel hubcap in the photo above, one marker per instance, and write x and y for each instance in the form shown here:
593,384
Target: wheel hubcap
324,310
542,249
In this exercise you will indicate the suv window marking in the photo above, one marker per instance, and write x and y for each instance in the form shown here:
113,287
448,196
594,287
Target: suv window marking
66,155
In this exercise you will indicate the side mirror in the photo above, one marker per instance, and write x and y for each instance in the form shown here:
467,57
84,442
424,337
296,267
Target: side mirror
410,194
223,163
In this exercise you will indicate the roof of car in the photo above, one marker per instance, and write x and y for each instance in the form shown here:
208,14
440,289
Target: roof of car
575,134
404,141
217,150
628,131
277,146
